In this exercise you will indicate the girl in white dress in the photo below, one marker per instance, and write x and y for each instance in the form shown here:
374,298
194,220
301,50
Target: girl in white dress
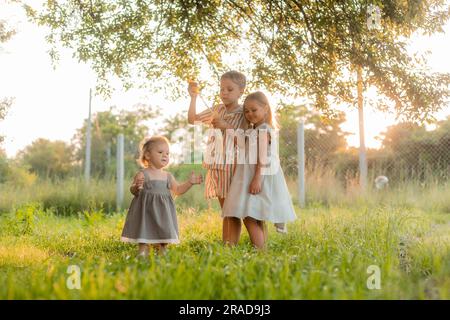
258,191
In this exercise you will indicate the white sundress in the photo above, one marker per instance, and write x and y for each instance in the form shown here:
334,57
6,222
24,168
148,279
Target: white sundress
273,203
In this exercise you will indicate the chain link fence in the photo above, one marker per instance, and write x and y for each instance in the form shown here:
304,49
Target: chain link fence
409,154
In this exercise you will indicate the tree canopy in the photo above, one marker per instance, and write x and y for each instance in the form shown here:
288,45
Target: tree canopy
6,32
48,159
106,125
299,48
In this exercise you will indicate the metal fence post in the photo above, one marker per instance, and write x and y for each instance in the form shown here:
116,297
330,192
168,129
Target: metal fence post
120,170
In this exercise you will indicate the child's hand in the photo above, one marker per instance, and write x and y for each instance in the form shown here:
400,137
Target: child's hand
255,185
140,183
193,88
193,179
219,123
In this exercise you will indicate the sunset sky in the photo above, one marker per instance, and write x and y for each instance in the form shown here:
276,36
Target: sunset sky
53,103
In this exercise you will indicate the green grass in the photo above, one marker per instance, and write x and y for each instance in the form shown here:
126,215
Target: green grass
325,255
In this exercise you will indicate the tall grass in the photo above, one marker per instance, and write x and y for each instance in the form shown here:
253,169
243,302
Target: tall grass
65,197
325,255
404,230
73,195
323,188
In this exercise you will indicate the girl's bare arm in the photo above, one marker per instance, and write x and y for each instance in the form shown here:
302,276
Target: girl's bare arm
193,92
180,188
255,185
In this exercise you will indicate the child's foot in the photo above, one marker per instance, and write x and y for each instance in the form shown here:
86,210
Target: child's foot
281,227
142,255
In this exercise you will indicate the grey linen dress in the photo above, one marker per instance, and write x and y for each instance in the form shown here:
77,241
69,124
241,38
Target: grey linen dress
152,216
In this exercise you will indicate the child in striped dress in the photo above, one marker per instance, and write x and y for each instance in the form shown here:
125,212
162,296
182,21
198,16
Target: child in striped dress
227,115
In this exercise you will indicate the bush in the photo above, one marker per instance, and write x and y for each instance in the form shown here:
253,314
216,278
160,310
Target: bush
72,196
20,177
66,197
22,220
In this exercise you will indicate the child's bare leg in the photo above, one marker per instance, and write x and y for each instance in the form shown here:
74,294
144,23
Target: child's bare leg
231,230
143,249
256,232
162,248
159,247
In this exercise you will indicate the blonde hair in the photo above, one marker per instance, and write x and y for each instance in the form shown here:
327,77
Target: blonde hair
236,77
262,100
146,145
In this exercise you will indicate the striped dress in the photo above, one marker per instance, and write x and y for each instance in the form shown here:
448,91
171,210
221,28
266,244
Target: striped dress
220,173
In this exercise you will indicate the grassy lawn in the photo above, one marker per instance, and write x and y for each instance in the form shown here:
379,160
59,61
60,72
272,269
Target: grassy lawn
325,255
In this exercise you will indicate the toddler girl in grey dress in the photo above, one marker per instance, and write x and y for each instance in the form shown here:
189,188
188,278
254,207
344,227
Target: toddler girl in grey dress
151,218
